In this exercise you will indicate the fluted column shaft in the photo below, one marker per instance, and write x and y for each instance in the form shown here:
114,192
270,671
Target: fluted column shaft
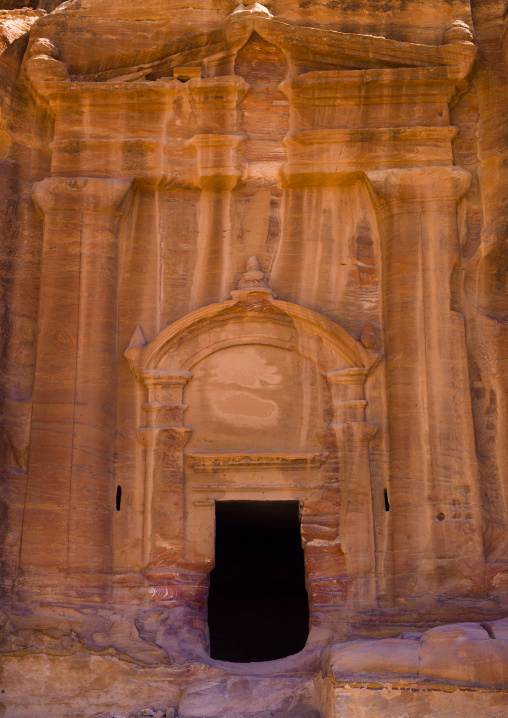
67,522
435,513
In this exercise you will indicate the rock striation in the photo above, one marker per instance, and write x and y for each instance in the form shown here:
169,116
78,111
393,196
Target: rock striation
254,252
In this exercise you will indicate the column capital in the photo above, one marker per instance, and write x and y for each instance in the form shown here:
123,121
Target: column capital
348,395
80,194
419,184
148,436
350,376
178,435
165,377
356,431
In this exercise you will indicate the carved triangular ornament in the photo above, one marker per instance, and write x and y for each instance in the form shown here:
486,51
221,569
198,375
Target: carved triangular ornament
136,344
138,339
253,284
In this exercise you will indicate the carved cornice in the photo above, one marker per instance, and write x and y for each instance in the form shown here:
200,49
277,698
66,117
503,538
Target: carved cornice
372,86
253,461
329,156
259,489
354,70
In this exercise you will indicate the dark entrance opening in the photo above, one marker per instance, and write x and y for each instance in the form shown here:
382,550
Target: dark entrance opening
258,607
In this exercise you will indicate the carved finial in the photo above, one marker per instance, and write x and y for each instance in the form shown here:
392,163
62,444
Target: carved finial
253,265
253,277
253,283
42,46
457,31
255,9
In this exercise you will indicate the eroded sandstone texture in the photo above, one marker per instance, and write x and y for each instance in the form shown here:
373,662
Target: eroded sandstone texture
254,253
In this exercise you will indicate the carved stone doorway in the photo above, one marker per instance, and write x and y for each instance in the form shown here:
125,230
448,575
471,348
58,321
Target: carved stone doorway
249,400
258,607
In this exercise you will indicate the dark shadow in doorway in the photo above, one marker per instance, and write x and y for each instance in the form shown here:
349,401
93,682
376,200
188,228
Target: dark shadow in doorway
258,606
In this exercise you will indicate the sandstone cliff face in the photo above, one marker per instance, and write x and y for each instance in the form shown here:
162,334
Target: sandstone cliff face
47,5
254,253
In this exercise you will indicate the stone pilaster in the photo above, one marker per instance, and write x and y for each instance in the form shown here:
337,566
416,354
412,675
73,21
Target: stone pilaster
434,497
217,172
173,581
353,434
69,501
164,438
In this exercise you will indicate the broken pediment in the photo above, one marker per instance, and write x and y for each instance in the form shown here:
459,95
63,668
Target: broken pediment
125,28
306,48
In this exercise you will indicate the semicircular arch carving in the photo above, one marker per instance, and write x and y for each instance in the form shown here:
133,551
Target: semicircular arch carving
288,326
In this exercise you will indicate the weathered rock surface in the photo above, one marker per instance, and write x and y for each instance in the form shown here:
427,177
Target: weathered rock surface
254,252
460,653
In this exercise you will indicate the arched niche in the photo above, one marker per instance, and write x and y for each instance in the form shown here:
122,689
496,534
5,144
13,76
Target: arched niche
256,399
